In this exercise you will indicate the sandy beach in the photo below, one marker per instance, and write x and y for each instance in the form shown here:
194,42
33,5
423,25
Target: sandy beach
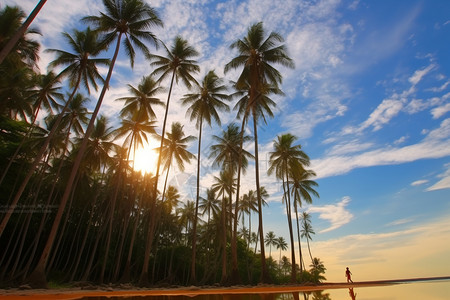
78,293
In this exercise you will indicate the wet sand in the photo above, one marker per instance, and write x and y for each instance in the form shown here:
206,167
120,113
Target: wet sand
78,293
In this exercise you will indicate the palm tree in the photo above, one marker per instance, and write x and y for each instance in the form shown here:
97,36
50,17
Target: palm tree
281,244
175,149
136,130
317,269
207,98
81,67
172,198
284,157
178,64
44,94
143,99
16,49
302,188
210,204
18,35
307,230
270,240
127,19
256,54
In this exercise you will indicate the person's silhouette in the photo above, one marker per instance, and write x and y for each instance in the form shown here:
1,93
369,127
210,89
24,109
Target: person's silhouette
348,274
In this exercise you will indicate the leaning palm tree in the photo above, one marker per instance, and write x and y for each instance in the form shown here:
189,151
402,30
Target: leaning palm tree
179,64
175,149
128,20
204,105
256,54
80,67
284,157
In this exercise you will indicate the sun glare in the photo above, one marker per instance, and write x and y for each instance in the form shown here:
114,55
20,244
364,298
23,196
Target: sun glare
146,157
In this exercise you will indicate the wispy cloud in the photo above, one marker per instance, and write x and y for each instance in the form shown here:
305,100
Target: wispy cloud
444,183
435,145
419,182
336,214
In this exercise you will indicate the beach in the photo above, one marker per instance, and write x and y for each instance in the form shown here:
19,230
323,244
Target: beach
79,293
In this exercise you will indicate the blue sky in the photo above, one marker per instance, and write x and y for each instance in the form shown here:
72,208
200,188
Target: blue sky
368,101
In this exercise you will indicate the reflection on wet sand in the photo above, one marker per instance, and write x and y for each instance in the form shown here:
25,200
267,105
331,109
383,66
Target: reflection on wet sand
352,294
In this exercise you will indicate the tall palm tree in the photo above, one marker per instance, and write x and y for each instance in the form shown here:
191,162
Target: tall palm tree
302,188
127,19
307,230
175,149
256,54
80,67
281,160
179,65
204,103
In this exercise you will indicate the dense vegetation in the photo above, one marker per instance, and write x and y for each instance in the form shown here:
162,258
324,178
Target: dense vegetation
72,206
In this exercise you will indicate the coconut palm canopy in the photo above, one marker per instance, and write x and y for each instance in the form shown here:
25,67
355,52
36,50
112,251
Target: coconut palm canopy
368,101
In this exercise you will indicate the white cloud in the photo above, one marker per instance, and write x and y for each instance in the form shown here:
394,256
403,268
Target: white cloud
444,183
419,74
440,111
349,147
336,214
435,145
419,182
388,109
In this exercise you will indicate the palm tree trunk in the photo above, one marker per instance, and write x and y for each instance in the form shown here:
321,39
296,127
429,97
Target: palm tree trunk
291,232
224,241
309,249
37,277
194,225
16,37
264,273
148,245
298,236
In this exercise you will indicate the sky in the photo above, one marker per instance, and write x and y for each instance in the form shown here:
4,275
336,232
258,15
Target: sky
368,101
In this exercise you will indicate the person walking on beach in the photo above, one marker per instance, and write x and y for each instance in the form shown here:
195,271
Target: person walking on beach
348,274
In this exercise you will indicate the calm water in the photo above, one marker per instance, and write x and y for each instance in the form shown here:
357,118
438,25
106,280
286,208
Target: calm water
430,290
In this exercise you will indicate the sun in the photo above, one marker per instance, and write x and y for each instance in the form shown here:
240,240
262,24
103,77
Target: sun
147,157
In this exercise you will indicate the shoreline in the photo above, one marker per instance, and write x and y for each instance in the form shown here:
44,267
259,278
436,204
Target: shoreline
78,293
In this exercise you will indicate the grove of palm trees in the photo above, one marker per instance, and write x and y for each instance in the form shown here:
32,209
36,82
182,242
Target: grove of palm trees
73,207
